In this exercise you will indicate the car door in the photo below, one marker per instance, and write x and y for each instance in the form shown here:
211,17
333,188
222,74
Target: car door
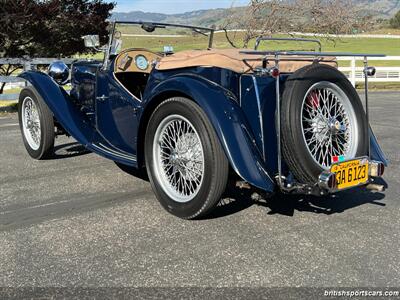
116,119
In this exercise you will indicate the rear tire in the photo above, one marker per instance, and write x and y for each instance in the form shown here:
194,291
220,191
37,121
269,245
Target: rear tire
315,129
186,165
36,124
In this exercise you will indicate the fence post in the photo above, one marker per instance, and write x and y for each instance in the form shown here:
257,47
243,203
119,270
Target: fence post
353,71
27,67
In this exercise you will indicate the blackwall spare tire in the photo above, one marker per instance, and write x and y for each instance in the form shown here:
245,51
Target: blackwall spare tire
322,120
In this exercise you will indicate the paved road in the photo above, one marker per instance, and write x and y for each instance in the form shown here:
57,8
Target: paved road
78,220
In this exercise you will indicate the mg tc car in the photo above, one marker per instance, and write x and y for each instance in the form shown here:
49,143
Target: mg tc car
280,121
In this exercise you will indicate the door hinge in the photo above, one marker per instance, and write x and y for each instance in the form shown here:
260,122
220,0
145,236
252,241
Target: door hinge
102,98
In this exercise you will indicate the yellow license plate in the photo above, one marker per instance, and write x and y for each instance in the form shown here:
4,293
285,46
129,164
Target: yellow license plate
350,173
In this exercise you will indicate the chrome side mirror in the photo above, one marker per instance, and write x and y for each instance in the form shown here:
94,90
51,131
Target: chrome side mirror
91,41
59,71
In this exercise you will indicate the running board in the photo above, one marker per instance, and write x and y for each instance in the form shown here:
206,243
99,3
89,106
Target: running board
114,154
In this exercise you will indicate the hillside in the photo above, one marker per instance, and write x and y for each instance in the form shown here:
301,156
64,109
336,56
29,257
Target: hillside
199,17
378,8
381,8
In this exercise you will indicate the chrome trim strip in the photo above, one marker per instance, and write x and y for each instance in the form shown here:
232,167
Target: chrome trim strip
117,152
308,53
119,82
112,152
240,90
260,117
278,122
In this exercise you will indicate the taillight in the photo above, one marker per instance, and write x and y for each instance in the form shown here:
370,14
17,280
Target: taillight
275,72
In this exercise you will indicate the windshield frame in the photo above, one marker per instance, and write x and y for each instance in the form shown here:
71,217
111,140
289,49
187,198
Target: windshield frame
198,29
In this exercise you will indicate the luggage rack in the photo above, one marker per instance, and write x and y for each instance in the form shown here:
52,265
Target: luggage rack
265,38
293,187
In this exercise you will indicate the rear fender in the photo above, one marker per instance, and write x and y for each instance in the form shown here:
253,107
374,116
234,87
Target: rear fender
228,120
60,103
376,152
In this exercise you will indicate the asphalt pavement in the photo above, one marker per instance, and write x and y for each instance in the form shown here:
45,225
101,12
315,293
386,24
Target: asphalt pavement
79,220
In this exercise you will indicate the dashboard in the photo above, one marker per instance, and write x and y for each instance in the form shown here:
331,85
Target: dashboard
136,60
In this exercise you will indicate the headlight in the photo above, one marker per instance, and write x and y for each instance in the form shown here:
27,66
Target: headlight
59,71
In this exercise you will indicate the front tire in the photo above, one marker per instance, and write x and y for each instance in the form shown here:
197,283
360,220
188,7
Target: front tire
186,165
36,124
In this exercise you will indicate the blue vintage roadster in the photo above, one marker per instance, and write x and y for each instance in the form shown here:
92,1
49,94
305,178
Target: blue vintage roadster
284,121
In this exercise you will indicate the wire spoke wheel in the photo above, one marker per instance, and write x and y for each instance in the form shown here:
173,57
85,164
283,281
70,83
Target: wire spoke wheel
31,123
186,164
329,124
36,123
178,158
323,121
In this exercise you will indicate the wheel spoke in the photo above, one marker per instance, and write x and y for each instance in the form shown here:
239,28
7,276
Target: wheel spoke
31,123
181,159
328,122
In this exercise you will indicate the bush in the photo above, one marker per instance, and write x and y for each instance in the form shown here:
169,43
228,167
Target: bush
395,21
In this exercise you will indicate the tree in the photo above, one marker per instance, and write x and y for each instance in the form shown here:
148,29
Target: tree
52,28
395,21
267,17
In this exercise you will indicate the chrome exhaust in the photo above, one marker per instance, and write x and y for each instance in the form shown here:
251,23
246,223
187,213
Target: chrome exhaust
327,181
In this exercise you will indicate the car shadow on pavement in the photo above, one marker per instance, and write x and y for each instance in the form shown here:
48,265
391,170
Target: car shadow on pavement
68,150
138,173
328,205
236,200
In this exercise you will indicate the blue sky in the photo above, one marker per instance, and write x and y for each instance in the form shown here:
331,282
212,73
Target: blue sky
174,6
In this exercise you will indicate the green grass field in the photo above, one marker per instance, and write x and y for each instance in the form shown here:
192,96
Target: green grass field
8,103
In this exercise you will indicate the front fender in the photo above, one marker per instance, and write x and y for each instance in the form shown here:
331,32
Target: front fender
228,120
59,102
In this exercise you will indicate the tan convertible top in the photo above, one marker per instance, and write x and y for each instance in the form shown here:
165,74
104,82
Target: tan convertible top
233,60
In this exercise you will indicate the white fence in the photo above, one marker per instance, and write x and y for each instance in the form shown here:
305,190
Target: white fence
383,74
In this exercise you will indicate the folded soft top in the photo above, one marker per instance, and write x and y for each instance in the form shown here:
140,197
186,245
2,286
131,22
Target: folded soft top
233,60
